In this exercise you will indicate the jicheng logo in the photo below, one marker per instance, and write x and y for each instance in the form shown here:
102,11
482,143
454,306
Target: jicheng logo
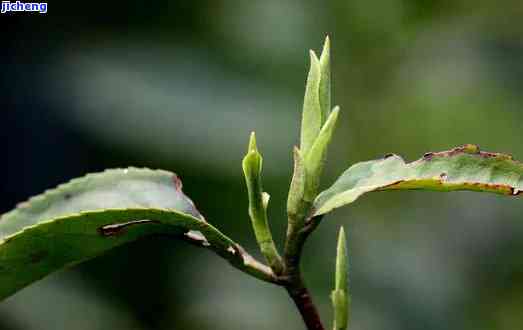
8,6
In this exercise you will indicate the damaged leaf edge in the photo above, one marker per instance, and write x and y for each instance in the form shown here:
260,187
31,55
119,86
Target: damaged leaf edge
438,183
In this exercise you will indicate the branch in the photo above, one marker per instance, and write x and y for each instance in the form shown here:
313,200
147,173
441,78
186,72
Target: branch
302,298
295,286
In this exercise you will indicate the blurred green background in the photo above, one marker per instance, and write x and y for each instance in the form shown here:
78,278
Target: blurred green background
180,84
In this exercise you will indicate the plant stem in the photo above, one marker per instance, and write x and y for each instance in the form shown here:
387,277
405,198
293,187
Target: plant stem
303,301
295,286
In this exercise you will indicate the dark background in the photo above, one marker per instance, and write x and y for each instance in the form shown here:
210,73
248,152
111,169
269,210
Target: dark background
180,84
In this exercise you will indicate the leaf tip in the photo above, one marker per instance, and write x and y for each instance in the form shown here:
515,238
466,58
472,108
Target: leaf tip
340,295
341,236
252,143
252,162
265,199
341,261
325,54
314,58
333,116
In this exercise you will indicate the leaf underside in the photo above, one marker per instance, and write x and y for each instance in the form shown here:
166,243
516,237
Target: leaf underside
91,215
462,168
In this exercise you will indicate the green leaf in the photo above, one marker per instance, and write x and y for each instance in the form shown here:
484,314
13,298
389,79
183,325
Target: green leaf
91,215
325,81
318,121
340,295
341,282
462,168
312,115
315,158
258,202
296,204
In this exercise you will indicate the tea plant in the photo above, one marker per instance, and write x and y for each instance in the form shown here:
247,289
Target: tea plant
91,215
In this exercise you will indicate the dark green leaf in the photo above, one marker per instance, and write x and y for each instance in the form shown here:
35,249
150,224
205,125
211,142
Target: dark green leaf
91,215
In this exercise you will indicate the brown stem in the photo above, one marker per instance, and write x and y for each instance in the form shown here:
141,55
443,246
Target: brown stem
303,300
294,282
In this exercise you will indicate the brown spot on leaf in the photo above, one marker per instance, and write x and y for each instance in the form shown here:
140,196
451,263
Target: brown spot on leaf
485,154
120,228
392,185
496,155
197,237
501,188
22,205
36,257
470,149
177,182
231,250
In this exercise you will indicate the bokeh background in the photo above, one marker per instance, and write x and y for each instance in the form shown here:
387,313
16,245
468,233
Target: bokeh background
180,84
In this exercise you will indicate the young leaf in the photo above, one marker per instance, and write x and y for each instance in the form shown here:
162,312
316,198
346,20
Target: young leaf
341,276
91,215
340,295
318,122
312,115
258,202
325,81
462,168
315,158
295,202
